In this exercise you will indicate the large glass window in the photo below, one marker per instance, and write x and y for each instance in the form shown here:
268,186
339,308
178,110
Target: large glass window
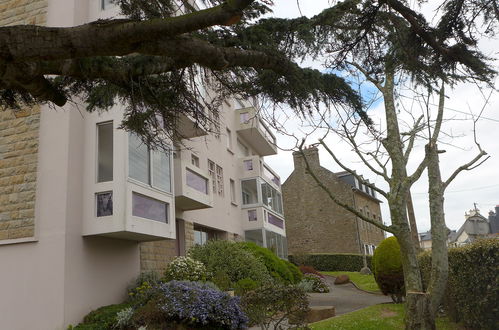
255,236
138,159
161,170
276,243
148,166
271,197
149,208
196,181
249,191
105,152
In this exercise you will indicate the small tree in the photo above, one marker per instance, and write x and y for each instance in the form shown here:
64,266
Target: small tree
387,269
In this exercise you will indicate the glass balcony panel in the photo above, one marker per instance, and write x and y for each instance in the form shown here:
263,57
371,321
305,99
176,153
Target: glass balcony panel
196,181
149,208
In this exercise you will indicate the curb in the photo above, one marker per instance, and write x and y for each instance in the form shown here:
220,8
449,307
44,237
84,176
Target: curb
358,288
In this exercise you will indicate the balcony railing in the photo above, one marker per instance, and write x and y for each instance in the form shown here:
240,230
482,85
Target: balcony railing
254,131
253,166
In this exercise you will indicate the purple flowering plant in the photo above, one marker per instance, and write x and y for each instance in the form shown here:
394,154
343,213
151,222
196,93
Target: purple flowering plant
198,304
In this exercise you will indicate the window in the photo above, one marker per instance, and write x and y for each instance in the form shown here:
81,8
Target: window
148,166
244,117
200,237
248,164
105,152
249,192
220,181
149,208
229,139
211,173
271,197
252,215
232,191
196,181
105,4
275,220
194,160
104,203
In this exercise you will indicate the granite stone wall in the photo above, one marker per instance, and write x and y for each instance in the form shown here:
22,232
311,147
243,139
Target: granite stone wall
19,131
315,224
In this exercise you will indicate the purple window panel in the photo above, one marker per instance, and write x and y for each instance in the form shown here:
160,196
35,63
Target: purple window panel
275,220
252,215
244,117
197,182
149,208
248,165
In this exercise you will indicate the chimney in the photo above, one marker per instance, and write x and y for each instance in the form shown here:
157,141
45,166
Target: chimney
312,155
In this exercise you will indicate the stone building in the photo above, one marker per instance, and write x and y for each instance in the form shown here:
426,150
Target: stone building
476,226
85,207
315,224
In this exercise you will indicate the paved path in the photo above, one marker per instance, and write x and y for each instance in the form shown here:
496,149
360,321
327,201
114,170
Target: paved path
345,298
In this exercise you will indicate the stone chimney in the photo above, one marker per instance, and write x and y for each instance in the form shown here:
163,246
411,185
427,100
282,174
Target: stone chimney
312,155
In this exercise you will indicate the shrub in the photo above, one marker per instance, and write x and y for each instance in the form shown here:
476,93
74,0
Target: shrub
245,285
123,318
314,283
275,265
185,269
101,318
332,262
297,274
222,280
140,291
272,305
232,258
309,270
193,304
473,285
387,269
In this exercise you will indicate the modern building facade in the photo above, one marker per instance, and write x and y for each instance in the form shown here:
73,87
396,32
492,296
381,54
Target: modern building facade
315,224
85,206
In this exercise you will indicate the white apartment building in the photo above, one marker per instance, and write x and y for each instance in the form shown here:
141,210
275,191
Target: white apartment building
84,206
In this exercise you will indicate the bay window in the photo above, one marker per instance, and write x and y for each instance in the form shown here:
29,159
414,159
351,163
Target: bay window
148,166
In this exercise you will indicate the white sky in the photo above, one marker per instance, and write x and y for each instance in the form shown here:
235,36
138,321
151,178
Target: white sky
479,186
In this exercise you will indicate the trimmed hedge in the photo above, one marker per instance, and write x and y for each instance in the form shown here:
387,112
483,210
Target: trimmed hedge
332,262
387,269
473,286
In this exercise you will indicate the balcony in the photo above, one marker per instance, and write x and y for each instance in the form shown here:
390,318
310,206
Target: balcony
253,166
192,186
262,217
254,131
189,128
121,198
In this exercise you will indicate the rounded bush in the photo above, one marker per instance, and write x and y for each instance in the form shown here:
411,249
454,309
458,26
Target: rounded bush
276,266
185,269
231,258
387,269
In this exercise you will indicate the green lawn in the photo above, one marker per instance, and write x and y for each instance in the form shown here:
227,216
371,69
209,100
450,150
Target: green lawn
365,282
377,317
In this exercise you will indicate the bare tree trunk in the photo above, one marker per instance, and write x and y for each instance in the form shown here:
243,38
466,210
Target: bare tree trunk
412,221
439,231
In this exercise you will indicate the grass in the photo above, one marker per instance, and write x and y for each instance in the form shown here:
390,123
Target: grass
384,316
365,282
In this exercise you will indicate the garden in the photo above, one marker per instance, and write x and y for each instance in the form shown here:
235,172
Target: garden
227,285
219,285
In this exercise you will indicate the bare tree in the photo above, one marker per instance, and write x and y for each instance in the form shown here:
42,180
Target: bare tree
397,147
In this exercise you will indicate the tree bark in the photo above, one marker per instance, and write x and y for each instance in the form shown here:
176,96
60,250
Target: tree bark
439,231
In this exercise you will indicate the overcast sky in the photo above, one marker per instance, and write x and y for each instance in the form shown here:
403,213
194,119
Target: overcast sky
479,186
